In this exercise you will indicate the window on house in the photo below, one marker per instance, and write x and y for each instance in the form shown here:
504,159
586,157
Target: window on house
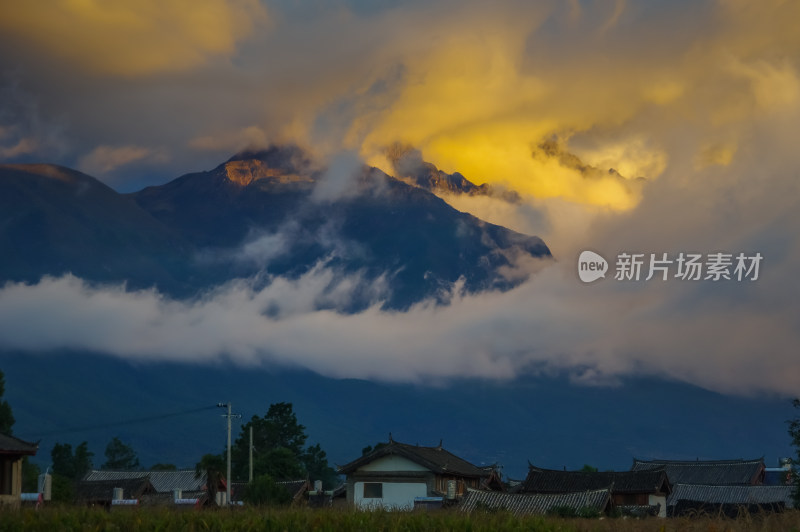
373,490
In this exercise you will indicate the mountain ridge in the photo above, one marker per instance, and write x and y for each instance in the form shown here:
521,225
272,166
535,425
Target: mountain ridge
373,223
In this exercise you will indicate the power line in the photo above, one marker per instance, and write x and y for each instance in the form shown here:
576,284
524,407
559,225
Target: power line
121,423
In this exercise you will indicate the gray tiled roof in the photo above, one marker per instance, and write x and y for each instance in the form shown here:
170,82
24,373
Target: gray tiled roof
435,459
295,487
527,504
103,490
732,494
710,472
12,445
162,481
554,481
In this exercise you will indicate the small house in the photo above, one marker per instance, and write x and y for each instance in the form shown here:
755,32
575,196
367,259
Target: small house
585,503
708,472
643,491
393,475
105,493
691,499
170,488
12,451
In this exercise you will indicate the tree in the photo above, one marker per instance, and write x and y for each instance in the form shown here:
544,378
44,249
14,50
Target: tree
6,417
315,461
280,464
794,433
68,468
163,467
30,476
588,469
278,429
369,448
71,466
120,456
264,491
212,465
278,449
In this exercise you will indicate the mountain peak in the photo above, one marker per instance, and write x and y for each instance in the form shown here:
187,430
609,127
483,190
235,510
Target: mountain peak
244,172
279,163
409,166
51,171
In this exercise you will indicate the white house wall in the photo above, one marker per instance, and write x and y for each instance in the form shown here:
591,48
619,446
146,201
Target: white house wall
392,463
659,499
396,495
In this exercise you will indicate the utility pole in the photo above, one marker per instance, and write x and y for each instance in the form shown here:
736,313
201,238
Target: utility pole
228,472
250,479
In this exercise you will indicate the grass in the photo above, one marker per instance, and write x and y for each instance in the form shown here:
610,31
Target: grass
279,520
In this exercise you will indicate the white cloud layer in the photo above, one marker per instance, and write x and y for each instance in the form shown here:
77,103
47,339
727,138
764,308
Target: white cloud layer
700,98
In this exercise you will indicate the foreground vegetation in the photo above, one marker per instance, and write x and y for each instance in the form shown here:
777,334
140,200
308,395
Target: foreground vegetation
245,519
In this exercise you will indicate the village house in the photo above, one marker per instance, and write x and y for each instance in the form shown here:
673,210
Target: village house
691,499
594,502
105,493
166,488
639,492
708,472
719,486
12,451
393,475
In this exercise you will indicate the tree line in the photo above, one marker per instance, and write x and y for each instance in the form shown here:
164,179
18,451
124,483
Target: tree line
280,453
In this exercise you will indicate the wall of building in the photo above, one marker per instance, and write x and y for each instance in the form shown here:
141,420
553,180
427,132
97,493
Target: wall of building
12,482
396,495
659,499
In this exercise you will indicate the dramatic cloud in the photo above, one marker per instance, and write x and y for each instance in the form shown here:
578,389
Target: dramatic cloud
105,159
133,39
731,336
22,130
643,127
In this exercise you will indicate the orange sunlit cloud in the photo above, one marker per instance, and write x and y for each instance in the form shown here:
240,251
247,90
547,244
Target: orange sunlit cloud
480,101
133,38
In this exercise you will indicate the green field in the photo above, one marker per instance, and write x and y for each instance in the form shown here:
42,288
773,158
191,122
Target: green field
84,519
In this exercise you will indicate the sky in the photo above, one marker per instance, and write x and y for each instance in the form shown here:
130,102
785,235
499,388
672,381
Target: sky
625,127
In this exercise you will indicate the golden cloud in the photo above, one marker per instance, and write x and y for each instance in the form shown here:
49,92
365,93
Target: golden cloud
622,94
133,38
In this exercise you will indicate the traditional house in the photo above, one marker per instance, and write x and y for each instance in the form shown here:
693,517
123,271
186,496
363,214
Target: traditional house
394,474
728,500
105,492
181,487
644,491
12,450
708,472
586,503
298,489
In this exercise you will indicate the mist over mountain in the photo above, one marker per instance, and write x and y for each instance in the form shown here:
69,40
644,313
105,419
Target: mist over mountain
273,212
547,421
408,164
